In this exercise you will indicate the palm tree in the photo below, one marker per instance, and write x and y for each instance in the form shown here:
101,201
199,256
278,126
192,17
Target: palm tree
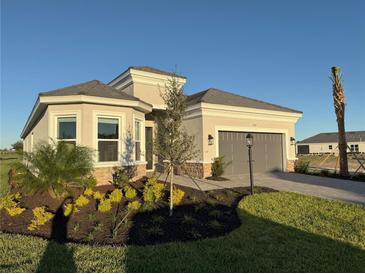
339,103
55,168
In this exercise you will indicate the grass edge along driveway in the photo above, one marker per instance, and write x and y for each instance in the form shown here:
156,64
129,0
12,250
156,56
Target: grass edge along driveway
280,232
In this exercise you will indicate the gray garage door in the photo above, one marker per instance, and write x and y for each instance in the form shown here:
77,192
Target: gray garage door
267,152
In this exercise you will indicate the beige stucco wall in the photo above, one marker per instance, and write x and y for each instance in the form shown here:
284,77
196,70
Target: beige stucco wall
323,147
146,86
149,93
86,133
87,123
194,126
38,134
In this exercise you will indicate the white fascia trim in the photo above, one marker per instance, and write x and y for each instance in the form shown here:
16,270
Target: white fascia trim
31,116
95,100
233,111
116,80
157,106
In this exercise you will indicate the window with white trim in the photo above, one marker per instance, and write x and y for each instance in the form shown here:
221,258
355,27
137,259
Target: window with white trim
330,147
108,139
66,129
137,140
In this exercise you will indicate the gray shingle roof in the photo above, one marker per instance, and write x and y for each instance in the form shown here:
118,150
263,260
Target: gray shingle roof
216,96
332,137
91,88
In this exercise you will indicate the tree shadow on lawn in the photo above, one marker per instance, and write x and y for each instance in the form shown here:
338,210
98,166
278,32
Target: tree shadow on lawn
189,222
258,245
57,257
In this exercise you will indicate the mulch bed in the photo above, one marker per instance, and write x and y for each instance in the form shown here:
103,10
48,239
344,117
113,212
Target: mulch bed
200,215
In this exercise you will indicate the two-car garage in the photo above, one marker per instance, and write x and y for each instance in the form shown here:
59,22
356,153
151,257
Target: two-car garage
267,152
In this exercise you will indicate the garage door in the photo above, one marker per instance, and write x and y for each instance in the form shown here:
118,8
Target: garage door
267,152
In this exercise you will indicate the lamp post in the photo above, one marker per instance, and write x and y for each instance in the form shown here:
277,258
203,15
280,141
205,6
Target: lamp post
249,143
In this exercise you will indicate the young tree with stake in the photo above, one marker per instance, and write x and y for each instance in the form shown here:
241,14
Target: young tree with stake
172,143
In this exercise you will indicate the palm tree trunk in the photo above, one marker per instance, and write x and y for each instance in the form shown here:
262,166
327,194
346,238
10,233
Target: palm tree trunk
339,103
342,146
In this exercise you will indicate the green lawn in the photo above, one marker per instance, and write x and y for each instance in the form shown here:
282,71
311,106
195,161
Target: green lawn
4,169
280,232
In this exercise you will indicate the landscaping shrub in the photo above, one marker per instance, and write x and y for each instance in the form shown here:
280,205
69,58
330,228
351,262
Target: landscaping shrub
41,216
10,203
9,200
177,196
55,168
98,195
218,166
116,195
153,190
88,192
69,209
135,205
105,205
81,201
122,176
301,166
130,192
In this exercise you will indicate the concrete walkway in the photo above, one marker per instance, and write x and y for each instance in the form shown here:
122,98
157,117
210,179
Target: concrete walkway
345,190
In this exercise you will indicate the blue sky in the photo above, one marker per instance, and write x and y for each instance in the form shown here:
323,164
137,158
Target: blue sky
276,51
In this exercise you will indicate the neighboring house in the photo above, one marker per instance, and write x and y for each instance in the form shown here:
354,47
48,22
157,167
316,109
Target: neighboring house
117,121
328,143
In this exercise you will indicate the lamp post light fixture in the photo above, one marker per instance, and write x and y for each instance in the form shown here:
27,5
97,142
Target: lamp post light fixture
249,143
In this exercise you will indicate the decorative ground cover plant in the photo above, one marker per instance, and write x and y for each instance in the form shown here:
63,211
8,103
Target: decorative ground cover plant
136,214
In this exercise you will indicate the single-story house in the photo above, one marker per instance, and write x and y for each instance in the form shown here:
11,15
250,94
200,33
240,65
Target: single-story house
328,143
117,121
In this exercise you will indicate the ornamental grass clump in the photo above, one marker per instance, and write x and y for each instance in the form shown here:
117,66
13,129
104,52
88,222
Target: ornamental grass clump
41,216
218,166
10,203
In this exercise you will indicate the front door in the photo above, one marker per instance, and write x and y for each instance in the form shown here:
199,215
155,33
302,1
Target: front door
149,147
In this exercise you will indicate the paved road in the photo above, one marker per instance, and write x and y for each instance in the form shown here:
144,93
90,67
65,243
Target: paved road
345,190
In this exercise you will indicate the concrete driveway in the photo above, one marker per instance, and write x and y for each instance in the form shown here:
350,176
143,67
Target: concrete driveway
345,190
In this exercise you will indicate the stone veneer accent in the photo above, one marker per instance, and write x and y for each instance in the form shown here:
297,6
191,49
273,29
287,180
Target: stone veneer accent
290,165
198,170
104,176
